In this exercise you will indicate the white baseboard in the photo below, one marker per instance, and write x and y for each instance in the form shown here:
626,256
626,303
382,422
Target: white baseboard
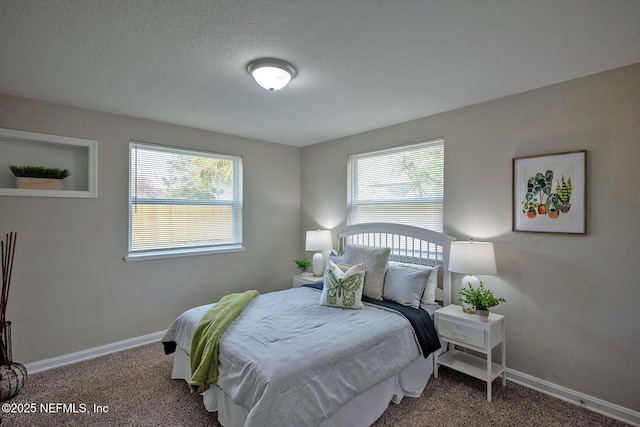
90,353
591,403
610,410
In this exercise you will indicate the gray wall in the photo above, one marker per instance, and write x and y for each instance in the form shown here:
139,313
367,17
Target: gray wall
71,290
572,300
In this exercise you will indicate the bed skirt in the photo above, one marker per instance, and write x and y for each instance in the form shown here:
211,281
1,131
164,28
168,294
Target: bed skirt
362,410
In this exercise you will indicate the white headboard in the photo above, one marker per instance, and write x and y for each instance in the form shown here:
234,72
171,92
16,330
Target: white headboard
408,244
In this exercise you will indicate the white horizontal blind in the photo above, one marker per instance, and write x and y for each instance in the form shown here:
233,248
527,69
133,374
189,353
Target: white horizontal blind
182,199
404,185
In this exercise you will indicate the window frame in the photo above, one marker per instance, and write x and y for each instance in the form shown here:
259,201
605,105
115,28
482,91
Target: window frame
352,180
236,205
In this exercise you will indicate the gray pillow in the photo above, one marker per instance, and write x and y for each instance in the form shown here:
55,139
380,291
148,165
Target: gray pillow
406,284
433,285
375,262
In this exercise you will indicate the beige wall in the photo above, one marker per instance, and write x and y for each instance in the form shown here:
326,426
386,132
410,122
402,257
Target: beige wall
572,300
71,290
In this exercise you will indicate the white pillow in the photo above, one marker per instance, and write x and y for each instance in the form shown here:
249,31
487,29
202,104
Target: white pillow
343,286
429,296
405,284
375,261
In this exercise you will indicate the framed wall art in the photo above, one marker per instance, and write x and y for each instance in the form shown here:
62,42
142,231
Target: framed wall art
549,193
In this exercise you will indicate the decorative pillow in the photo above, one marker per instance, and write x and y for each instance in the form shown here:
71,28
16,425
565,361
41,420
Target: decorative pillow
337,259
343,286
405,284
375,261
439,294
429,296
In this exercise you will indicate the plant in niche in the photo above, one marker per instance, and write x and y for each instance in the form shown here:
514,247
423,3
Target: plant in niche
479,298
39,172
303,263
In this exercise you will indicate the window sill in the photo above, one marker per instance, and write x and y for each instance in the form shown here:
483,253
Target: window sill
147,256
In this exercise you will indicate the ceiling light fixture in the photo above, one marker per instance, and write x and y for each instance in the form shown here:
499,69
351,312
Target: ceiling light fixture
271,74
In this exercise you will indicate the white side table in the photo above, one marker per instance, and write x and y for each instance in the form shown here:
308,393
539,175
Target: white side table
299,280
466,330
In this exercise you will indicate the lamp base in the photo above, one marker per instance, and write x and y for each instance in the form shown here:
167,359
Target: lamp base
317,264
475,282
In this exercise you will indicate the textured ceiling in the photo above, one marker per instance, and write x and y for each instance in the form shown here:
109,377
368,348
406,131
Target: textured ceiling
362,64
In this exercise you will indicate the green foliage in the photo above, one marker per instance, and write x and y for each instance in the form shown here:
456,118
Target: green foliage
539,184
424,176
531,205
39,172
479,298
303,263
564,190
201,178
553,200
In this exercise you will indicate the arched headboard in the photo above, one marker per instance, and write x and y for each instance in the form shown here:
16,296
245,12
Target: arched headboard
408,244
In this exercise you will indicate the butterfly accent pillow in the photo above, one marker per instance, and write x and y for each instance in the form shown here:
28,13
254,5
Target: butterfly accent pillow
343,286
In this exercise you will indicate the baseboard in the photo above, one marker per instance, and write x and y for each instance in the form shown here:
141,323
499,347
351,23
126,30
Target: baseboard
91,353
594,404
610,410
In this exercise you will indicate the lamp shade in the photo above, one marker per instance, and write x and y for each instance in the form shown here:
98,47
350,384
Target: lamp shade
319,240
271,74
472,258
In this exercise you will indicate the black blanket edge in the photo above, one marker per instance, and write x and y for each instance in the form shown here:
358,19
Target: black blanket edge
419,319
169,346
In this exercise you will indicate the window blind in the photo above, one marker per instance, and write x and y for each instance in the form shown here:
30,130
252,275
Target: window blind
403,184
183,199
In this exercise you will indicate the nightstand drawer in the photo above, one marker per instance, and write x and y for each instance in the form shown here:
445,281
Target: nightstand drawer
463,333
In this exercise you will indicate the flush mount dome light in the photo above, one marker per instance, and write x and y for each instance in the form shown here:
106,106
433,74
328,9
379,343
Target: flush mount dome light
271,74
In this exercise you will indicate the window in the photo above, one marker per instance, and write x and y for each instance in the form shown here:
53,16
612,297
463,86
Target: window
403,184
183,201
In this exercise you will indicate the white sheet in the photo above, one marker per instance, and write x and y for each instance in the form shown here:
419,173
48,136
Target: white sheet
361,411
278,364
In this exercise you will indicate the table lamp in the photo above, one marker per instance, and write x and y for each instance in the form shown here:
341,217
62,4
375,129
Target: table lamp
318,240
472,258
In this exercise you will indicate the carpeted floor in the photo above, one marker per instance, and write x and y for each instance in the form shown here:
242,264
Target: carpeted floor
134,388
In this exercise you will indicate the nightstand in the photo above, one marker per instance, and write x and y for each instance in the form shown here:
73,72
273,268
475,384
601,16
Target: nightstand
466,330
299,280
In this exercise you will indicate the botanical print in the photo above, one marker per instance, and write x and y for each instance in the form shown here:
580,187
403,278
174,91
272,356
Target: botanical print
548,193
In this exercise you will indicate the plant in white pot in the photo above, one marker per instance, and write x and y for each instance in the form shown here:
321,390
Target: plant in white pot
304,264
480,299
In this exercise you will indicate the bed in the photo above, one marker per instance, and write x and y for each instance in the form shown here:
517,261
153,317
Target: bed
287,360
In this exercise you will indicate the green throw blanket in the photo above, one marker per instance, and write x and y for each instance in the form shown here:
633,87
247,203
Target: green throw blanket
206,339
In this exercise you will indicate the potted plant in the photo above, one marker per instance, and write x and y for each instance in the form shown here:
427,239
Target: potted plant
479,299
529,208
304,264
540,184
39,177
553,205
564,194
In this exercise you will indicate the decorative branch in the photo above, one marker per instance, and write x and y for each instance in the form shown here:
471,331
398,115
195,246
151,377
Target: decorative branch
8,250
8,255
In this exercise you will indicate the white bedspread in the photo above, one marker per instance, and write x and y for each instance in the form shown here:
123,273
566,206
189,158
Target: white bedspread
292,362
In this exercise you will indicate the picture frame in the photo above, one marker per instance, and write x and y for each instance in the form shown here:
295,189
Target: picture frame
549,193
